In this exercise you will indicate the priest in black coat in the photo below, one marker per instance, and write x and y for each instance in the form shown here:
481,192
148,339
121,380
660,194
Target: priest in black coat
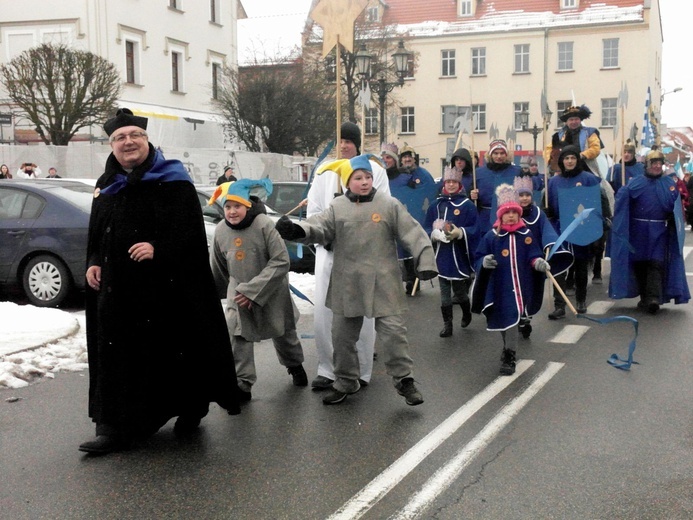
156,336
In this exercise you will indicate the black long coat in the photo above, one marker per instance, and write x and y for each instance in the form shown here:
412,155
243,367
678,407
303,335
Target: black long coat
157,339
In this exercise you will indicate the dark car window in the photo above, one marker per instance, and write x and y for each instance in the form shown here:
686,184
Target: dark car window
16,204
77,194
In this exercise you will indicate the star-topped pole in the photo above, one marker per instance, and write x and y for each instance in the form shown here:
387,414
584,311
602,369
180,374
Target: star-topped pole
337,17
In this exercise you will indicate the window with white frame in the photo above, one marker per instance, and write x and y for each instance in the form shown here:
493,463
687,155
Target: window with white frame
565,56
522,58
371,121
610,53
448,115
560,108
609,111
521,113
479,61
132,62
373,14
215,11
176,71
330,68
447,62
410,68
408,120
569,4
479,115
466,7
216,78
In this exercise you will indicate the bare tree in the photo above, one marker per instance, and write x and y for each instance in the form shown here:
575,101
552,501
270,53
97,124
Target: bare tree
277,107
61,90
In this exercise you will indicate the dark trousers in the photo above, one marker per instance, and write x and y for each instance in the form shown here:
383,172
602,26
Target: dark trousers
648,274
580,269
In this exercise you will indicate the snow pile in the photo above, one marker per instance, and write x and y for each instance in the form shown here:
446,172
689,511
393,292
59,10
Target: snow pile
23,327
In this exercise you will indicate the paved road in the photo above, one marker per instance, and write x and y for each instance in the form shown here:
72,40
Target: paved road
569,437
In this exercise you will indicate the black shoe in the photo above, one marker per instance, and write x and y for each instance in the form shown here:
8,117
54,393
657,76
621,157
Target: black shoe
299,375
597,280
466,318
447,330
334,397
652,306
186,424
581,307
557,314
525,328
507,362
244,394
409,288
321,383
363,383
407,389
104,444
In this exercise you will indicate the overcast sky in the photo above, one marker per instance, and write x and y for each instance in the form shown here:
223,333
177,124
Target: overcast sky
274,25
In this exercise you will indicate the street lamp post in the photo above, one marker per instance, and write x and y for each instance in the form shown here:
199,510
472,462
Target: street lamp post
677,89
535,131
381,86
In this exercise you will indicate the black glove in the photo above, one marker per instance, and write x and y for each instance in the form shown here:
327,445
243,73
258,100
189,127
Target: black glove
288,230
426,275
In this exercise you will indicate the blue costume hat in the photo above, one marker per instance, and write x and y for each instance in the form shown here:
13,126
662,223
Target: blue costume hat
239,191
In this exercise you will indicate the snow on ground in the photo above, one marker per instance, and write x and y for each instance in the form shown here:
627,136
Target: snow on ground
24,327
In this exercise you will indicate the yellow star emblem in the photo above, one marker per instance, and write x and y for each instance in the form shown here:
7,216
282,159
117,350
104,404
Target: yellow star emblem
336,17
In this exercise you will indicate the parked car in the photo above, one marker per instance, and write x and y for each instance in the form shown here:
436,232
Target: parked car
301,262
43,237
286,195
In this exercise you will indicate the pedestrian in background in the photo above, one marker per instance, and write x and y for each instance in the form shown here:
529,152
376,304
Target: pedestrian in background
5,172
227,176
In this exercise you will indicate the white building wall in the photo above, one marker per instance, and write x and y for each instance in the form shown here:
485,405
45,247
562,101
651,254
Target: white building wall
103,27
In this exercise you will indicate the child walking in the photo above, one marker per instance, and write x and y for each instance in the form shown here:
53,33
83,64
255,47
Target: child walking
510,280
250,264
452,224
364,226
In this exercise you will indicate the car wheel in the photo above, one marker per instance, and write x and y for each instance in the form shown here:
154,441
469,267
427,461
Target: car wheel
46,281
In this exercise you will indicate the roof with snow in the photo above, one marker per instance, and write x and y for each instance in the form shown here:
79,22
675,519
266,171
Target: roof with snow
432,18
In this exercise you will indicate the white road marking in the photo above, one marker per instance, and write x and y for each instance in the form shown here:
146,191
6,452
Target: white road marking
599,307
371,494
686,251
446,475
570,334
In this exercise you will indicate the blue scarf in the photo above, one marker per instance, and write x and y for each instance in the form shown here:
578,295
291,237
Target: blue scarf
161,170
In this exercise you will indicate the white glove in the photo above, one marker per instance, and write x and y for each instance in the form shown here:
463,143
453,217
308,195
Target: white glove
541,265
489,262
454,233
437,235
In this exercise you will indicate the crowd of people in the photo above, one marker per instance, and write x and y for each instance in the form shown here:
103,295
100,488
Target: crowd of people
381,226
28,171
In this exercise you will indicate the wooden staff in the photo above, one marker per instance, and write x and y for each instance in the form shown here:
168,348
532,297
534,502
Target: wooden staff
301,204
338,54
546,165
623,143
560,291
416,286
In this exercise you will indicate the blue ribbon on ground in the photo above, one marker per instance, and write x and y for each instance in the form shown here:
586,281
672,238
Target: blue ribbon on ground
574,224
615,360
321,157
299,294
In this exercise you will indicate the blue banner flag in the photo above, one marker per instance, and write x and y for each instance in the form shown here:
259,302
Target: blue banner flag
571,203
417,199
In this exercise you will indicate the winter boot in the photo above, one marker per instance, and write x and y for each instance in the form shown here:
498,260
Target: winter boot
466,313
558,312
507,362
446,310
525,327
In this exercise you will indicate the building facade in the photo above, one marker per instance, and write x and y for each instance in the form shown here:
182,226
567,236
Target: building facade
495,59
170,54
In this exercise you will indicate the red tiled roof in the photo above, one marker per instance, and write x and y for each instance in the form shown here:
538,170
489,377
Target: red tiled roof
417,11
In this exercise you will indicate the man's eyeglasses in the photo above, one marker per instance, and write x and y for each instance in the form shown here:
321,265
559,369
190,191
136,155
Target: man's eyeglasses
134,136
